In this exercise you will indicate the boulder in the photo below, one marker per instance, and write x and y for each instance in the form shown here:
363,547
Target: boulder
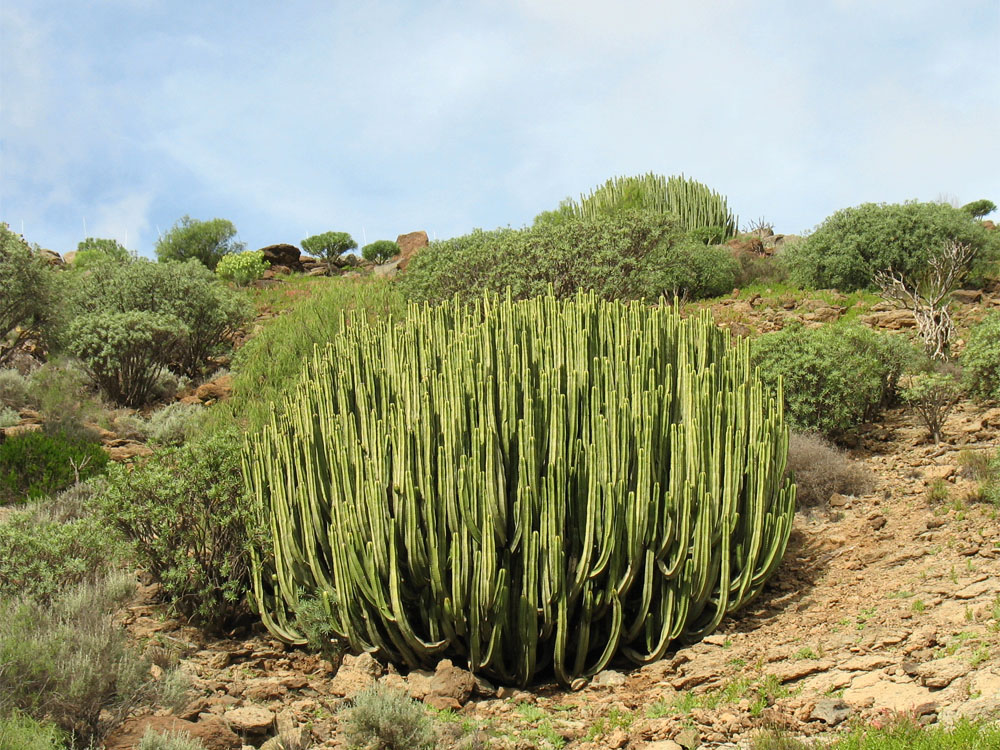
355,674
51,257
450,686
892,320
283,255
250,720
409,245
215,390
967,296
389,270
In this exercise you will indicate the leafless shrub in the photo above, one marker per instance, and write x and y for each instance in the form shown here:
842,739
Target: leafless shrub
820,470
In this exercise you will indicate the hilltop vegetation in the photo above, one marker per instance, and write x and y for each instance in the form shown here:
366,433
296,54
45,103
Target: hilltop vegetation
512,454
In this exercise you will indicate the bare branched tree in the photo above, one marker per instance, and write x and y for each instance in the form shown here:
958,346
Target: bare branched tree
926,293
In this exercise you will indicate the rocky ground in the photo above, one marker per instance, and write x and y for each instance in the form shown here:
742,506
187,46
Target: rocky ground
887,602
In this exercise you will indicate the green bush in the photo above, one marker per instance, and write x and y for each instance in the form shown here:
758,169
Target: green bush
329,246
8,417
67,661
380,251
242,268
691,270
932,395
26,303
618,256
268,365
384,718
20,732
835,377
35,464
209,312
980,208
125,352
850,246
204,241
95,252
64,394
42,556
186,516
981,359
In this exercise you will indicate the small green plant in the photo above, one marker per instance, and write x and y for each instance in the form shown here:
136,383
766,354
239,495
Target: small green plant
805,653
918,605
932,395
313,620
380,251
329,246
36,464
14,389
937,492
8,417
20,732
242,268
383,718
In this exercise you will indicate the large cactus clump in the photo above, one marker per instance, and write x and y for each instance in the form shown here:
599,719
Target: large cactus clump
522,486
695,205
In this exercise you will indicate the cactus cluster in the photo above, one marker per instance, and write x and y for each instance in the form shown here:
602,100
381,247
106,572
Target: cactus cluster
523,486
694,204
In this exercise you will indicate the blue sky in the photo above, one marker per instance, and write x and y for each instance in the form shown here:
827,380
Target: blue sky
379,118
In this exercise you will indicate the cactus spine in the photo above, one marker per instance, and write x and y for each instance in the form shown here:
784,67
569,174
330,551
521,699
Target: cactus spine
525,486
694,204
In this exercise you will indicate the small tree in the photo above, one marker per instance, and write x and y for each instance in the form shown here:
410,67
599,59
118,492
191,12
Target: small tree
933,395
379,252
979,209
329,246
207,241
25,286
242,268
927,291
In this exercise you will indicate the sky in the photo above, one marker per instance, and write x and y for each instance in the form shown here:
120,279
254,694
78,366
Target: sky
118,117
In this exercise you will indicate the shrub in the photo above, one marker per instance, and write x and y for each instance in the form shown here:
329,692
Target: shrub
35,464
820,469
152,740
380,251
694,271
20,732
94,252
125,352
618,256
68,662
41,557
25,306
329,246
14,389
981,359
63,393
851,246
933,395
186,517
209,312
835,377
242,268
758,269
8,417
384,718
984,468
980,208
175,423
205,241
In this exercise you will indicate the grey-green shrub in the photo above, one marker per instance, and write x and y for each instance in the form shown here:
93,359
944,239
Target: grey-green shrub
851,245
618,256
67,660
835,377
384,718
14,389
242,268
26,302
185,514
152,740
981,359
8,417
